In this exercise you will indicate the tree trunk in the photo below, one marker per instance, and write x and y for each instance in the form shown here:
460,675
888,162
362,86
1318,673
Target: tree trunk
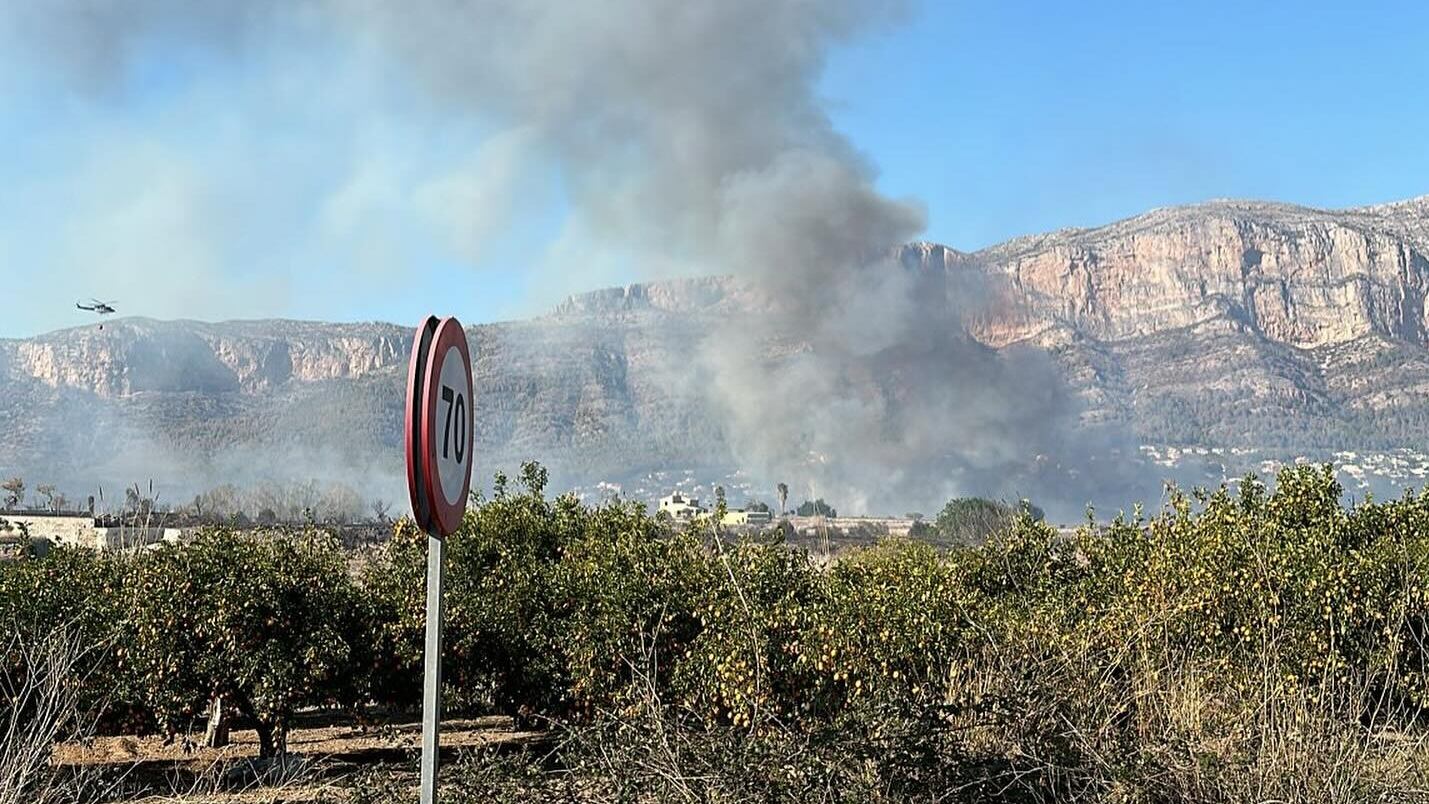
216,736
266,745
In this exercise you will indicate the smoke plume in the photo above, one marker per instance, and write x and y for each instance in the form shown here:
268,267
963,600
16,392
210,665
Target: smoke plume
690,138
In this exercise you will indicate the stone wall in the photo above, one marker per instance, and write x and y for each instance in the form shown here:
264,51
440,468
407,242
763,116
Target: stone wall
74,530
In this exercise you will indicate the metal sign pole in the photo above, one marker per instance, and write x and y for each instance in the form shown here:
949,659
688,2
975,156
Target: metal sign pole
438,481
432,681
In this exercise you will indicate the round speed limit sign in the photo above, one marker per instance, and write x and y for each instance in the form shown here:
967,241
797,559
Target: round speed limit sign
440,426
439,437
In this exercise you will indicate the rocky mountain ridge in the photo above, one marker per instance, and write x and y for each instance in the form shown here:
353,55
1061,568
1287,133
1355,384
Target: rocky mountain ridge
1221,323
1300,276
138,355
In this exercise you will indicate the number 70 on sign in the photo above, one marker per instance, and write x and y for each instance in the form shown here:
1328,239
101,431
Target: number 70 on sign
459,408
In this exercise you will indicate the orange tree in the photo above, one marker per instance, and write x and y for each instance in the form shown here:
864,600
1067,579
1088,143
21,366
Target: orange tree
394,585
626,602
1293,578
744,664
502,643
547,602
269,622
69,592
1251,594
1391,586
895,617
499,644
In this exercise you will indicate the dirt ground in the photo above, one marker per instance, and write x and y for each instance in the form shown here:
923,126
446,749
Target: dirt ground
324,756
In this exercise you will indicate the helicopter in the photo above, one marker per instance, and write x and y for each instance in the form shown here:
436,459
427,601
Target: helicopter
97,306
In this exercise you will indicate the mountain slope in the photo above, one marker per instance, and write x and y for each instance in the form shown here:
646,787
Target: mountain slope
1227,323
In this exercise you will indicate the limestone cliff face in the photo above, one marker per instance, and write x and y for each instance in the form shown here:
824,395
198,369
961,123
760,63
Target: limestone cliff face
130,356
1224,323
1297,276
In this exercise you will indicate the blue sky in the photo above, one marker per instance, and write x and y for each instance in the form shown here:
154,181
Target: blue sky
309,182
1011,118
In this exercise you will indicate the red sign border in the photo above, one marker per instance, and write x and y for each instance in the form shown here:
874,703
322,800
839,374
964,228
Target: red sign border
446,518
416,370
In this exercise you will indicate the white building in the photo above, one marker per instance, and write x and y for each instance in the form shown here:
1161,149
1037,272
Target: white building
680,507
688,509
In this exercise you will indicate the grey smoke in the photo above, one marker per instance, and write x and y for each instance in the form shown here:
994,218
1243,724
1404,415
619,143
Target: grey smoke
690,138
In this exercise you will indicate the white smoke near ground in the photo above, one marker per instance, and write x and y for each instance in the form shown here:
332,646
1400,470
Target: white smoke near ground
690,138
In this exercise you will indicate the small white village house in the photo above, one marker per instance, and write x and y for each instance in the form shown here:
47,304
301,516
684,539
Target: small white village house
680,507
687,509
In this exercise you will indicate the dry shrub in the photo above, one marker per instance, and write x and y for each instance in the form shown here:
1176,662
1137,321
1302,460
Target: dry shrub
41,678
1082,722
273,780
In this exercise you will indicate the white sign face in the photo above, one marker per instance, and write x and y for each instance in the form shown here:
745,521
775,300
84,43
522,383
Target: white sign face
453,436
